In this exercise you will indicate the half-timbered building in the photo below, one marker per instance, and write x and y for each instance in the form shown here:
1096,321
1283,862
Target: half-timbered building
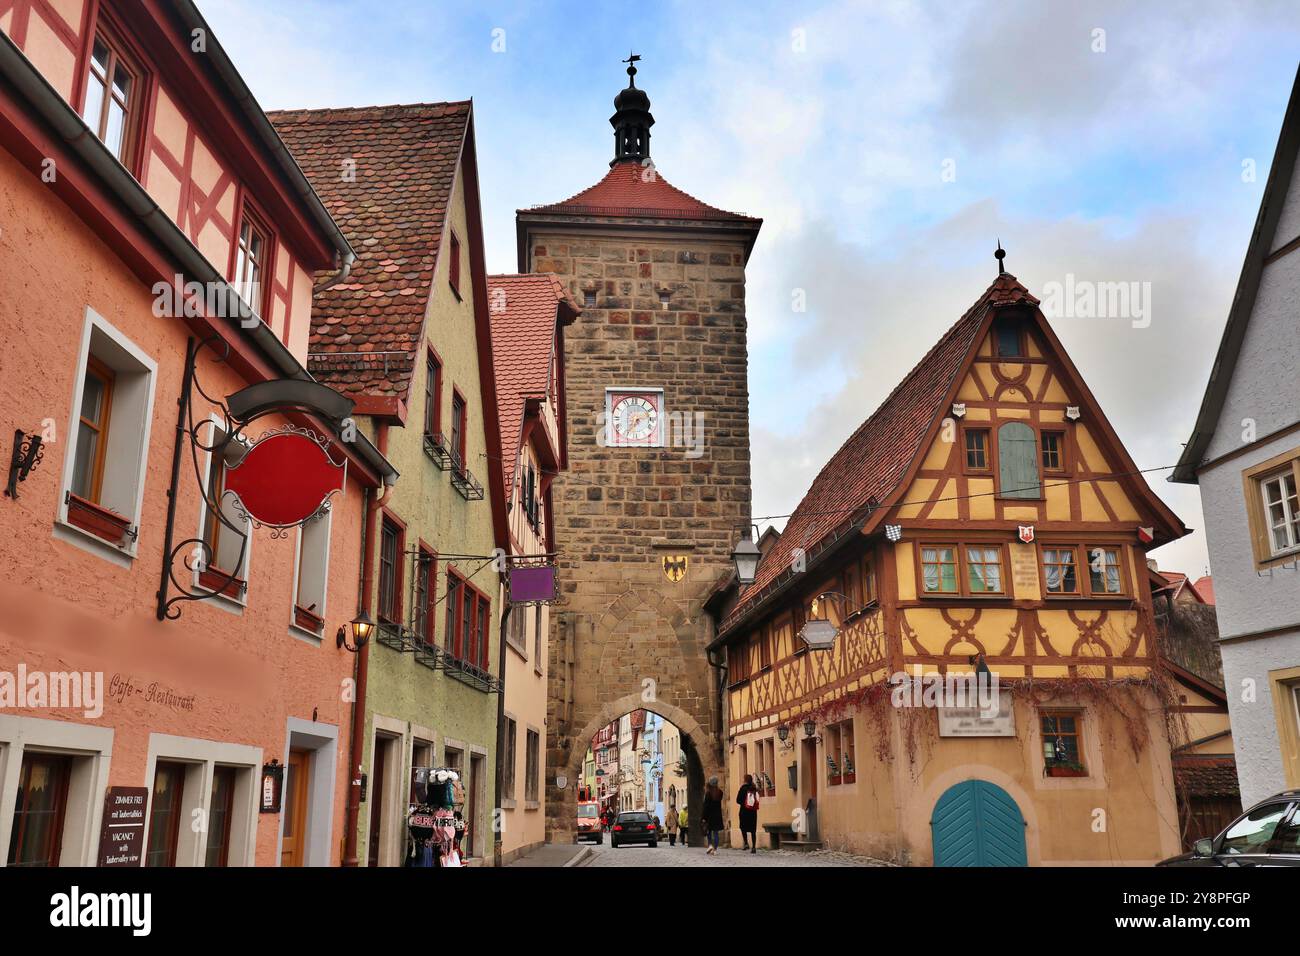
985,516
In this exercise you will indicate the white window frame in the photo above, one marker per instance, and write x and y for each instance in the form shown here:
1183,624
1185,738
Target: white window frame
200,757
92,750
119,432
326,521
224,600
1289,517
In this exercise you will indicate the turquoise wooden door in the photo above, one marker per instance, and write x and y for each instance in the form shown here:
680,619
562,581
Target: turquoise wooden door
978,824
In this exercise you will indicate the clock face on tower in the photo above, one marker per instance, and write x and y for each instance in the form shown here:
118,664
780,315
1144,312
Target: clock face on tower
634,417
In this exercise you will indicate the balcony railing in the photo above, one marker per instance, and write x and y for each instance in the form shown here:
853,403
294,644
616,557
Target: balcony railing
469,487
438,449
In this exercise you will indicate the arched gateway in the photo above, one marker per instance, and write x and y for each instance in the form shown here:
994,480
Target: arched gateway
657,488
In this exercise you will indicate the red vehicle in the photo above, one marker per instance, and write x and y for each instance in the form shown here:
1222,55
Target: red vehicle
589,821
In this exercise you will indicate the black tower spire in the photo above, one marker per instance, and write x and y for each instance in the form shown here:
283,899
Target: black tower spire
631,120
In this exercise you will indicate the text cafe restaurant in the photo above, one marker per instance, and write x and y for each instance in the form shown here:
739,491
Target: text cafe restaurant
194,707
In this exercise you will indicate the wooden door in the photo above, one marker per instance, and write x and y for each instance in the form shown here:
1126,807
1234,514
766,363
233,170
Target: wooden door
808,772
378,771
297,781
976,823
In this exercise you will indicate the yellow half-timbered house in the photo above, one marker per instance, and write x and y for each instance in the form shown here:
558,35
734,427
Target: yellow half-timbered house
986,516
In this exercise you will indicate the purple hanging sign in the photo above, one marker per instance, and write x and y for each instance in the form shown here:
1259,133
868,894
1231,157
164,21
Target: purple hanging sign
532,585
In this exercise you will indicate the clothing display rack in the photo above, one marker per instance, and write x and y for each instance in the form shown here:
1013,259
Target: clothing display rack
435,825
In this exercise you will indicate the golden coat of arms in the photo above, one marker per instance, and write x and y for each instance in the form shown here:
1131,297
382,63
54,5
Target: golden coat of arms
675,566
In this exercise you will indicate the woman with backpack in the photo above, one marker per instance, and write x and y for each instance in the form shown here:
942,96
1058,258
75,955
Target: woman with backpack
747,800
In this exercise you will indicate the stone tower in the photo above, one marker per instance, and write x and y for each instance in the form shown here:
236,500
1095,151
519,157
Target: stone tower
658,486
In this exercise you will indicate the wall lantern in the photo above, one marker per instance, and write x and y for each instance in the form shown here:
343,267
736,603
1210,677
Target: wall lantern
746,558
361,626
783,732
810,728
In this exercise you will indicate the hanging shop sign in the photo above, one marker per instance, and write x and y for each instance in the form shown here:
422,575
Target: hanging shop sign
285,477
532,584
121,835
281,480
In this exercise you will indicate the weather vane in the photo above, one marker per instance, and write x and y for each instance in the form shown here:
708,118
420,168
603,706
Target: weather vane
631,62
999,255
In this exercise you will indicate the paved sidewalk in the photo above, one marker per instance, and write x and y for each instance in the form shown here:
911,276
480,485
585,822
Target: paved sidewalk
554,854
669,856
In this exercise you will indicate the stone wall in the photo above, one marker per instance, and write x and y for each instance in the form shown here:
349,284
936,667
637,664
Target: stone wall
626,633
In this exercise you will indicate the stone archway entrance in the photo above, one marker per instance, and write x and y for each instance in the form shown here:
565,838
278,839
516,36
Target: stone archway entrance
701,763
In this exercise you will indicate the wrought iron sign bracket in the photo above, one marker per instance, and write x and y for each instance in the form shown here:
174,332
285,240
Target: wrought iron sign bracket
27,454
222,434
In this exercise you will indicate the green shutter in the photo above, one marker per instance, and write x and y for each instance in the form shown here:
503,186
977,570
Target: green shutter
1018,461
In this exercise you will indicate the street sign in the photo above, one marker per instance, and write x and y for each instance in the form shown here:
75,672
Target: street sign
285,478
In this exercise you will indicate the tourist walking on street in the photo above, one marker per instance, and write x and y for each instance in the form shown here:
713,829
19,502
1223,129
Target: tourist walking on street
671,826
684,824
711,812
747,800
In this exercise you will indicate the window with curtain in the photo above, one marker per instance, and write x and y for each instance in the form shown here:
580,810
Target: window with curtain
1018,461
1104,571
984,569
1059,571
939,569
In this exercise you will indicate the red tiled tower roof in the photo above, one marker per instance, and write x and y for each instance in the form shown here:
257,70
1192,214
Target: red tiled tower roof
392,207
635,191
875,458
525,311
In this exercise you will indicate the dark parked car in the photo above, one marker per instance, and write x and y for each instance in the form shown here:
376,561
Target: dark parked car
634,826
1268,834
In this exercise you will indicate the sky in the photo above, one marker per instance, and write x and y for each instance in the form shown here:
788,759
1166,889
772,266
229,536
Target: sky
887,146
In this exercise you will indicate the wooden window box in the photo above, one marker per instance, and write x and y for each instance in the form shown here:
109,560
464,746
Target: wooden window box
849,778
222,582
835,781
1059,771
308,621
101,522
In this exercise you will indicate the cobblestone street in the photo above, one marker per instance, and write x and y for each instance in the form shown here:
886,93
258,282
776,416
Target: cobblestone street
667,856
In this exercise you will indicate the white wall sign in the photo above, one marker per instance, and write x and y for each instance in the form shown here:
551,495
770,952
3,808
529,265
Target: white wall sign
973,722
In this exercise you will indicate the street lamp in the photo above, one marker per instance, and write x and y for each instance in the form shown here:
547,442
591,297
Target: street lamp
783,732
746,557
361,627
809,728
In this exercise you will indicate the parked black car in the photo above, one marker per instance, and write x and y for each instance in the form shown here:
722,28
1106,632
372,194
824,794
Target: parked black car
1268,834
633,826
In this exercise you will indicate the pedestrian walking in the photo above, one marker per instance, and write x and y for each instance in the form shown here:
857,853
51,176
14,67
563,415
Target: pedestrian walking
684,825
747,800
671,826
711,812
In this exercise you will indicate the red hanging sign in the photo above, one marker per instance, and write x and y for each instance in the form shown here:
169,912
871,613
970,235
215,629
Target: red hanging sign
285,478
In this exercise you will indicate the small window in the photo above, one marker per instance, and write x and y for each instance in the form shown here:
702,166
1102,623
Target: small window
165,814
1281,511
92,430
1007,338
220,814
226,531
1104,574
939,569
313,573
984,569
453,266
517,628
1053,445
977,449
509,760
532,765
1062,741
665,295
113,97
589,298
390,573
37,835
426,585
432,395
458,430
840,767
764,649
251,255
868,580
1059,571
539,638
